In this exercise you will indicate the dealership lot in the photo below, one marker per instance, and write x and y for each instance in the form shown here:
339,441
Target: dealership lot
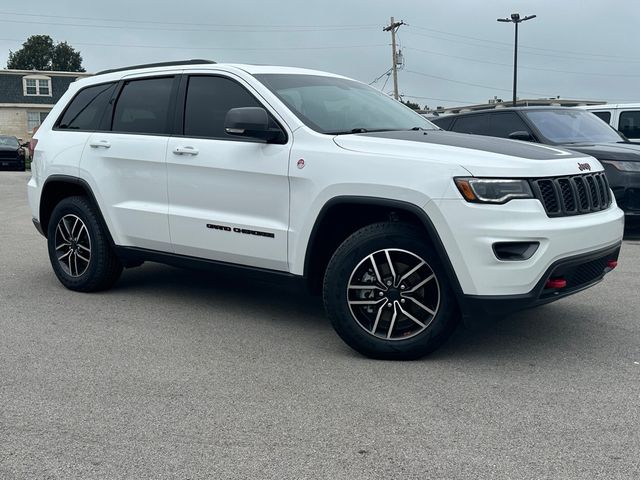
176,374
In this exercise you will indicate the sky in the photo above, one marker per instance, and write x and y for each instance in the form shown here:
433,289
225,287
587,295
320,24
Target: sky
455,52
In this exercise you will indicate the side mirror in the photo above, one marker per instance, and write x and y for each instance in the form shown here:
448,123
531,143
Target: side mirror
521,135
251,122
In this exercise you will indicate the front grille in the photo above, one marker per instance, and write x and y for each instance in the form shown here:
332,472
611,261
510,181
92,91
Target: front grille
573,195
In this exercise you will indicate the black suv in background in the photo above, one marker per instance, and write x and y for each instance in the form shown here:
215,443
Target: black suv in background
567,127
11,154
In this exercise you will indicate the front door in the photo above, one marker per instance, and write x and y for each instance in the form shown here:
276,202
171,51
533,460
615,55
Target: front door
228,196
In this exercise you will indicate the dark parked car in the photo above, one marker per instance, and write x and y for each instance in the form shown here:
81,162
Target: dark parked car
567,127
11,154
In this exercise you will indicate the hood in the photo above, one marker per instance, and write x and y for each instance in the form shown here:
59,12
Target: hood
8,148
480,155
609,151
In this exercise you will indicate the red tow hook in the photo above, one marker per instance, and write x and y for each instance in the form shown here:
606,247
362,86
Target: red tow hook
556,283
611,264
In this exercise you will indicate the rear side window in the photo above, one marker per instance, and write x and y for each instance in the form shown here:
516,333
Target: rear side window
476,124
86,109
208,101
606,116
143,106
504,124
629,123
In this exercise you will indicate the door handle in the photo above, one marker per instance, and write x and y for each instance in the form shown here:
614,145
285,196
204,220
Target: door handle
185,150
100,144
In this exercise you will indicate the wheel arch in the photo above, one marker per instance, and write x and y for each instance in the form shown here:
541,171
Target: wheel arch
58,187
325,238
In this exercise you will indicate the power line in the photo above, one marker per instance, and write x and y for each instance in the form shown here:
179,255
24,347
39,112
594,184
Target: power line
472,84
379,77
608,56
152,22
218,29
327,47
525,68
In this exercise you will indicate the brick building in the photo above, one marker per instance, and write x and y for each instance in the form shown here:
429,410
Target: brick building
27,96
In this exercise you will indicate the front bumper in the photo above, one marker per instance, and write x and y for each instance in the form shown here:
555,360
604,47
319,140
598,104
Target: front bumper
470,231
580,272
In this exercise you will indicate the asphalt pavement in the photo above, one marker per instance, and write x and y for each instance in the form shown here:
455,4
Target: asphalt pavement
176,374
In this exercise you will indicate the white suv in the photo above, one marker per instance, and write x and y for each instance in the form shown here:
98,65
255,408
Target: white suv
624,117
315,177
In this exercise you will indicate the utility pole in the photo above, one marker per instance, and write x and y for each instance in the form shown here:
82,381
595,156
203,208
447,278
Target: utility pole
393,28
516,20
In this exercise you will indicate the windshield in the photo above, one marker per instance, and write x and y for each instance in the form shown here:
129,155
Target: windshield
572,126
336,105
9,142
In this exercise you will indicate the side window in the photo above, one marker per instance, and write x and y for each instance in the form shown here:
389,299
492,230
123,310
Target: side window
606,116
629,123
476,124
504,124
143,106
208,101
86,109
443,122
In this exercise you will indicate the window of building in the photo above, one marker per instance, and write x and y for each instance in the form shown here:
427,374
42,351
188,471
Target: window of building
143,106
35,119
36,85
208,101
629,123
86,109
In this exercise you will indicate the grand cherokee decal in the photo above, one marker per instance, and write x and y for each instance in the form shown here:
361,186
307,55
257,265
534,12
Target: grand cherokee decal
244,231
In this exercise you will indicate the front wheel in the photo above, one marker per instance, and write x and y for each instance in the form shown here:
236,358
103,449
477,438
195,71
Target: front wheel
386,293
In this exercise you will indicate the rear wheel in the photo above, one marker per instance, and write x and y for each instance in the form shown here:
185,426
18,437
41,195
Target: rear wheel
79,249
386,293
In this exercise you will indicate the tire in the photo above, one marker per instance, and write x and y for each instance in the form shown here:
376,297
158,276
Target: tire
79,248
370,328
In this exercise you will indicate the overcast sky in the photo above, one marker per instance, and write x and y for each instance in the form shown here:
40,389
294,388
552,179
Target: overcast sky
455,52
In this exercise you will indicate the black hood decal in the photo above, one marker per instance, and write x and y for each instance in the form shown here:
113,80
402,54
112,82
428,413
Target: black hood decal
513,148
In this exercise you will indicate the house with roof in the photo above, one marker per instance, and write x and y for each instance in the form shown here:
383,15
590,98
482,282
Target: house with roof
27,97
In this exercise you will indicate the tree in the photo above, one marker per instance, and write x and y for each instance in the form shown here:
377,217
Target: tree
412,105
40,53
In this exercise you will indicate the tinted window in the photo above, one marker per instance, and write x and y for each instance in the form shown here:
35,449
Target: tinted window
143,106
629,124
86,109
504,124
443,122
208,101
606,116
476,124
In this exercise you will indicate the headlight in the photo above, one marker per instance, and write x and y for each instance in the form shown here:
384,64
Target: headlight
493,190
623,166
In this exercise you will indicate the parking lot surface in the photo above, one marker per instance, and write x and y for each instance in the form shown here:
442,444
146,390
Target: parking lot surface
190,375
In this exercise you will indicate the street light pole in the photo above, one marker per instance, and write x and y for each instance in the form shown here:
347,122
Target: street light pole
516,20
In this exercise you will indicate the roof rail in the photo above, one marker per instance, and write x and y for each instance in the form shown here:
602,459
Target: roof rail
195,61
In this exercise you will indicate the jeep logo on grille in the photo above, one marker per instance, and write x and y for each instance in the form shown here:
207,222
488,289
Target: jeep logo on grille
584,166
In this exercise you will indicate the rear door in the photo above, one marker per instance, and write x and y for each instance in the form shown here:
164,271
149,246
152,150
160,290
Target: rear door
228,195
126,162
